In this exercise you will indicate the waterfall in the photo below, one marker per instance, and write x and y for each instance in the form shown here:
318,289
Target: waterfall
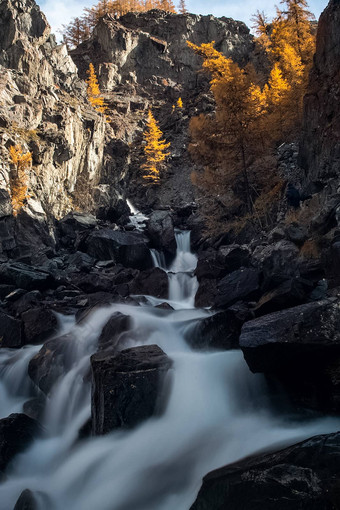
217,413
137,219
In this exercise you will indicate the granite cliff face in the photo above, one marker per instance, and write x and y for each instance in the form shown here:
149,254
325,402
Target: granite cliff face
43,107
143,61
320,148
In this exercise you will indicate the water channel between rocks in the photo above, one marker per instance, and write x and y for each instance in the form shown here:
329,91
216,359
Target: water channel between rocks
216,412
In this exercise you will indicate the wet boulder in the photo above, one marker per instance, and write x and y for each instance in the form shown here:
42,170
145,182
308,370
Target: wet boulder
209,266
39,324
51,362
128,248
242,284
300,347
26,501
35,407
111,333
160,230
153,282
206,293
127,387
302,477
219,331
25,276
10,331
17,431
29,500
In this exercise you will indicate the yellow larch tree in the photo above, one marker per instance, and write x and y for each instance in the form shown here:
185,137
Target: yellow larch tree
227,141
182,7
21,162
179,102
93,92
155,151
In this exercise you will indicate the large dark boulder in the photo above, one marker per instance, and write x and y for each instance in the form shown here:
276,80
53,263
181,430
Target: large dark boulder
206,293
160,230
39,324
51,362
16,433
233,257
111,333
74,223
292,292
25,276
10,331
219,331
29,500
302,477
278,261
242,284
34,243
209,266
301,347
126,387
127,248
153,282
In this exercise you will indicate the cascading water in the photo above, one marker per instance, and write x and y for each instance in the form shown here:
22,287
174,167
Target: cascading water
217,412
137,219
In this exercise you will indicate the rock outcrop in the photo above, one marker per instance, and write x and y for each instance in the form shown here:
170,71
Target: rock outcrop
320,148
301,348
142,60
16,433
43,107
301,477
126,387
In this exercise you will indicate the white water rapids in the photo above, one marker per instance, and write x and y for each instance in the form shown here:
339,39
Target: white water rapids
217,412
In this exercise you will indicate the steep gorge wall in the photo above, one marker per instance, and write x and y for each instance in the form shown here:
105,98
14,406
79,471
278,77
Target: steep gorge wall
142,61
43,107
320,147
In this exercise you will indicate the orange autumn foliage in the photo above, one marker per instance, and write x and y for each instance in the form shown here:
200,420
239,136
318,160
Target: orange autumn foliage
18,178
155,151
93,92
79,29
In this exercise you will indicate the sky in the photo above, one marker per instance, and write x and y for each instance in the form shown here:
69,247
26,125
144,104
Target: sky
60,12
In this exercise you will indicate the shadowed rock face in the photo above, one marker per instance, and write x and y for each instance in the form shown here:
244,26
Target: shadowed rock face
301,347
126,387
320,148
302,477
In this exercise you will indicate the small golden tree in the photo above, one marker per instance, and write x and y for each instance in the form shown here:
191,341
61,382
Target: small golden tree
182,7
93,91
155,151
179,102
18,177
